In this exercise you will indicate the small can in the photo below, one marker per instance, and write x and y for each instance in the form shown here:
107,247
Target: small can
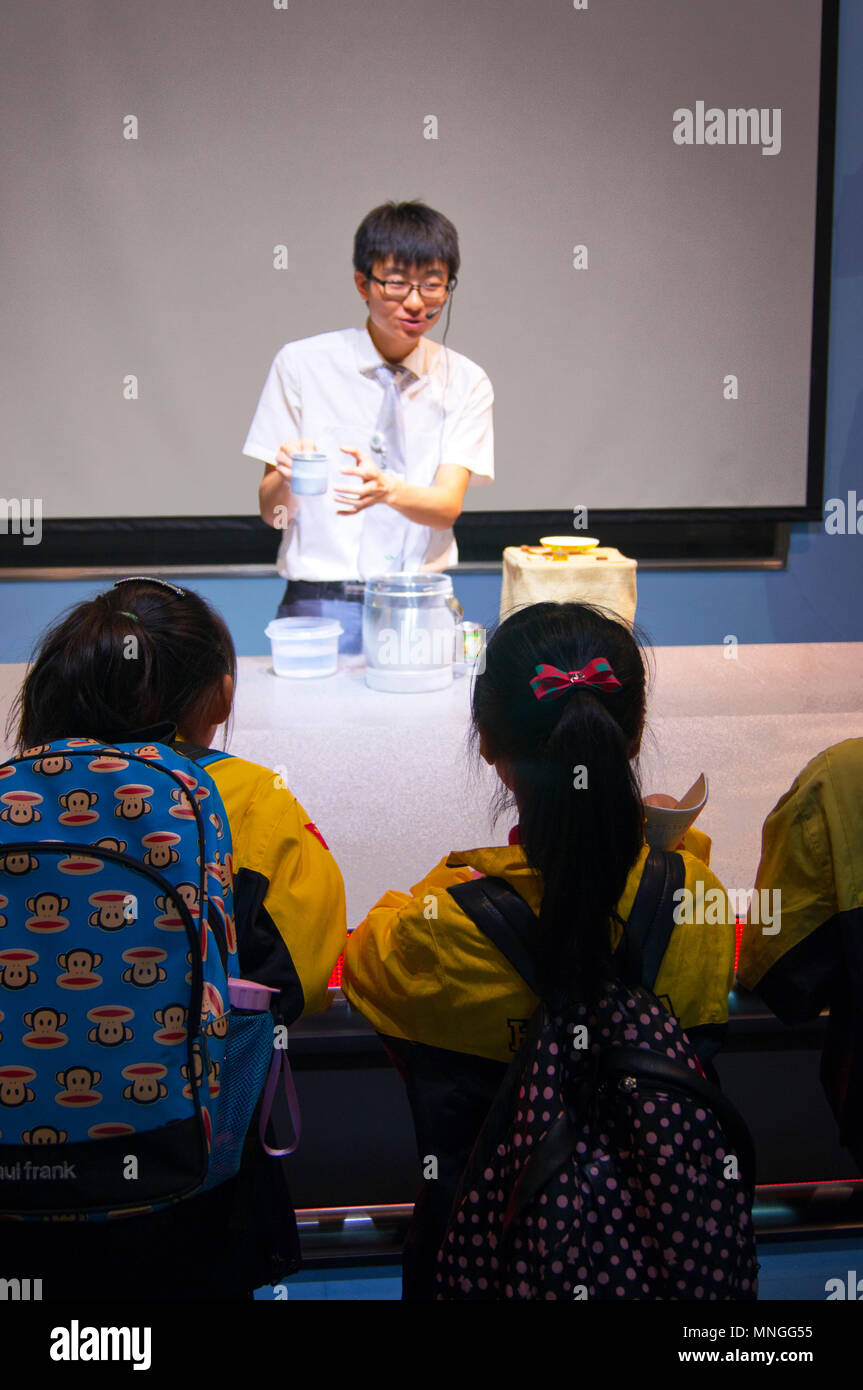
472,642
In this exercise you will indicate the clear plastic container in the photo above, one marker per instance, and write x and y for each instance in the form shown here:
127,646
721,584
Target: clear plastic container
304,648
409,632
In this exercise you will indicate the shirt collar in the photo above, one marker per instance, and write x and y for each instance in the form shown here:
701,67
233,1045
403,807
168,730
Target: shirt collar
419,360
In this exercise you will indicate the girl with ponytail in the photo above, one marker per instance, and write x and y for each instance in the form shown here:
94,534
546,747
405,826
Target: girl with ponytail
559,712
563,746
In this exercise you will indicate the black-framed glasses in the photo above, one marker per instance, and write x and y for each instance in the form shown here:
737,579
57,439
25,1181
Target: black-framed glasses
432,291
149,579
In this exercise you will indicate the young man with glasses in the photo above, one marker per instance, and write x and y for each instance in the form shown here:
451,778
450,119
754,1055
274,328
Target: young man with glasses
406,424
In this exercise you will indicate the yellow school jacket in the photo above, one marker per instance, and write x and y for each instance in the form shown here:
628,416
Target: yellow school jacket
812,855
419,969
289,894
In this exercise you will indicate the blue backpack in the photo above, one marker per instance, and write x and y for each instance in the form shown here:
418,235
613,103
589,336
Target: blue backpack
126,1080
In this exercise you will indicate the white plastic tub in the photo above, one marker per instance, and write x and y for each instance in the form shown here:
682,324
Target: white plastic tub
304,648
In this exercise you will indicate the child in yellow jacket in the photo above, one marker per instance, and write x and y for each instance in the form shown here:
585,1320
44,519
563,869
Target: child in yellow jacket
559,712
151,662
811,955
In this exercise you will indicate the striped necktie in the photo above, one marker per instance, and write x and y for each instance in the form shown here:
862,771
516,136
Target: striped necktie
388,440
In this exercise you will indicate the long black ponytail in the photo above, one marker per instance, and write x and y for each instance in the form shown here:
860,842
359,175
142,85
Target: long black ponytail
569,761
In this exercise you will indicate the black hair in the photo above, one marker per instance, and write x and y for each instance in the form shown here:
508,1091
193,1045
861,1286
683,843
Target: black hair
570,763
99,673
410,233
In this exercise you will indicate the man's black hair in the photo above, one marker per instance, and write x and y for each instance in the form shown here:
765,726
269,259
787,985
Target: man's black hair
409,233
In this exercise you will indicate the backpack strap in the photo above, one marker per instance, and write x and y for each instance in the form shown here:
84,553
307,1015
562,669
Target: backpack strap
200,755
651,922
279,1064
502,914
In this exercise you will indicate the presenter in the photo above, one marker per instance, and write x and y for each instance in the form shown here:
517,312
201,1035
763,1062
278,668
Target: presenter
406,425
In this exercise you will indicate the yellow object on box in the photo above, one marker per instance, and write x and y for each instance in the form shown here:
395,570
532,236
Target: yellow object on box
563,546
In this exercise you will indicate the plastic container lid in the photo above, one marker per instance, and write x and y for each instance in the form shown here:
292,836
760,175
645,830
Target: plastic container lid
248,994
407,586
302,629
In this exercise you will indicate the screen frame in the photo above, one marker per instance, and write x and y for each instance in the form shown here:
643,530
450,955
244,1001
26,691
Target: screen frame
236,540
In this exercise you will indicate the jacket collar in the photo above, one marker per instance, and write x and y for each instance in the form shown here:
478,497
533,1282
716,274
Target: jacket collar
503,861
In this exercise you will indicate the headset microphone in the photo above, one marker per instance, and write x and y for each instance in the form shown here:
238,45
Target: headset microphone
440,307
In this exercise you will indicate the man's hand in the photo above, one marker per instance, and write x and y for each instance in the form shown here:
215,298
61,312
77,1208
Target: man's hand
376,486
437,506
293,446
277,502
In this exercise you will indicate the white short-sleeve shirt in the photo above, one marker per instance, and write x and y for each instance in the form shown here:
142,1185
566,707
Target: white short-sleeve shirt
323,388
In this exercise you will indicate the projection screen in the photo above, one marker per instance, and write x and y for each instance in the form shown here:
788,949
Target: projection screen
634,185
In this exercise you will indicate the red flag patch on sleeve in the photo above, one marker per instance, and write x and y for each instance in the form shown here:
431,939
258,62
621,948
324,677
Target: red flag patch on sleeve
310,825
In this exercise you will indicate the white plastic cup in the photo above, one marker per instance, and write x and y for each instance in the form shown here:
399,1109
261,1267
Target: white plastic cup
305,648
310,473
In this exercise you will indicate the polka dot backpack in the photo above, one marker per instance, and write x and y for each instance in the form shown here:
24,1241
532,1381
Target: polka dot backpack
608,1166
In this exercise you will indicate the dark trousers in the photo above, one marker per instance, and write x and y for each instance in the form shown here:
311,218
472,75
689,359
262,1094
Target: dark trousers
328,600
